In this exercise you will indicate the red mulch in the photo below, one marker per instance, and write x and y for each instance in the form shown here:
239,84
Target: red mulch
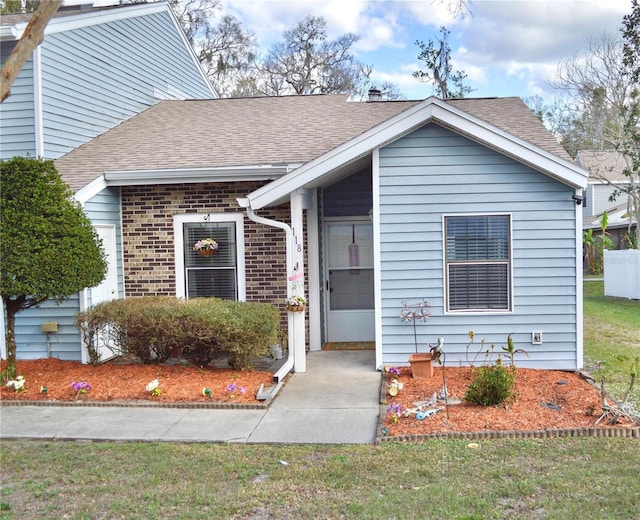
127,382
578,404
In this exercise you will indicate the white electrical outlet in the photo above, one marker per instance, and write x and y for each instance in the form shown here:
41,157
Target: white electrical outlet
536,338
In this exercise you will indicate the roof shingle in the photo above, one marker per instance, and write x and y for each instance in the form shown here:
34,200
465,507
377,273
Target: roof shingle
262,131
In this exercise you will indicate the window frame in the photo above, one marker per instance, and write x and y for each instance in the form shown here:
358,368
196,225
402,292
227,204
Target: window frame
509,261
187,218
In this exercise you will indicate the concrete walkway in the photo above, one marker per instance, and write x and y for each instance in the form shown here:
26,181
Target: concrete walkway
335,402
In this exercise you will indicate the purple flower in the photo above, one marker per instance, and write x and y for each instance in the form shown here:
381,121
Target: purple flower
232,387
394,408
394,370
81,386
243,390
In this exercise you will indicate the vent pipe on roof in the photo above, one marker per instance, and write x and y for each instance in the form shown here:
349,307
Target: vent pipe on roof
375,94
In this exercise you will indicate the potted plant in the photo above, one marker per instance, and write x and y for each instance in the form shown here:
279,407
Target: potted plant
206,246
296,303
421,362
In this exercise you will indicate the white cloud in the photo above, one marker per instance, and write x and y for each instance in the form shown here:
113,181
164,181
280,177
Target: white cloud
514,42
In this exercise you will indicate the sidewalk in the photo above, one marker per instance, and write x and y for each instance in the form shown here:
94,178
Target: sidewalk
335,402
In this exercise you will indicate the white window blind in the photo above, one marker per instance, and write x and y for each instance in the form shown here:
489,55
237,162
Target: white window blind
478,256
214,275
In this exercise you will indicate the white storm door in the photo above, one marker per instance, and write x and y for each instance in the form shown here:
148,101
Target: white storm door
107,290
349,281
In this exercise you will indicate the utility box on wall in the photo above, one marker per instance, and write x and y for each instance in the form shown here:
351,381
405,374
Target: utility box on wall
622,273
49,326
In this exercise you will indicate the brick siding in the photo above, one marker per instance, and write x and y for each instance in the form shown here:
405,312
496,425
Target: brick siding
148,241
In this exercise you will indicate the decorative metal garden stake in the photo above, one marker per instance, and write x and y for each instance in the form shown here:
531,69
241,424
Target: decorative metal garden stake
436,352
412,312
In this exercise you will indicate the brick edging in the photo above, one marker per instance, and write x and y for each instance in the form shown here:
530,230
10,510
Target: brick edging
584,431
625,432
139,404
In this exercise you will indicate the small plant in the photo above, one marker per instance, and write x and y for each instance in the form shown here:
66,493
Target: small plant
233,388
492,385
206,244
80,387
395,410
488,351
596,244
17,384
296,302
153,387
510,350
207,393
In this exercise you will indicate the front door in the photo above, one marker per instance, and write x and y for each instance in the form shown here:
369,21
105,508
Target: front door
349,280
107,290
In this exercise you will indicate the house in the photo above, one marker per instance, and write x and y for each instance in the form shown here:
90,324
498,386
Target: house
362,207
96,68
605,174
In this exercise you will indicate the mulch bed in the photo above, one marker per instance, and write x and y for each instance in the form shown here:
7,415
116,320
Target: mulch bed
547,400
126,383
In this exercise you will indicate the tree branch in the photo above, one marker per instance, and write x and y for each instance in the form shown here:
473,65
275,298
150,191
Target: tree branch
32,36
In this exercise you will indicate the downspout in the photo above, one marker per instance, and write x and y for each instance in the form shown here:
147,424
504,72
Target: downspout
289,363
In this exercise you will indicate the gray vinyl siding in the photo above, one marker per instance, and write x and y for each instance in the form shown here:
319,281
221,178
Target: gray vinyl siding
98,76
17,113
600,202
31,343
104,208
433,172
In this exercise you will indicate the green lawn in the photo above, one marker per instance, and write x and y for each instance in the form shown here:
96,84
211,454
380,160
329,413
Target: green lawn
521,479
611,340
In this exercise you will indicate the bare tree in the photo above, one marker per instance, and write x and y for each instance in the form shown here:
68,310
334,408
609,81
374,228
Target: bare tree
597,85
225,49
306,62
602,109
629,143
436,56
32,36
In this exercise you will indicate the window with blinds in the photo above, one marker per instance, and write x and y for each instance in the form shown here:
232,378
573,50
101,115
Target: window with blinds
215,275
478,262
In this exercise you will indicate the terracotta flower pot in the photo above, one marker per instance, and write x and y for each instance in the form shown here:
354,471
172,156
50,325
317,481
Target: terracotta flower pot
206,252
421,365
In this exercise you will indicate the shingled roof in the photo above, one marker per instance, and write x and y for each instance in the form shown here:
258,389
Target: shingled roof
603,165
287,130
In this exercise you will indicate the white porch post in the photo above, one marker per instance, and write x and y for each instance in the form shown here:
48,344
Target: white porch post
296,280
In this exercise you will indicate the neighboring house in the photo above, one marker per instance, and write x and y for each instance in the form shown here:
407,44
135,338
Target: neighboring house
605,174
468,203
96,68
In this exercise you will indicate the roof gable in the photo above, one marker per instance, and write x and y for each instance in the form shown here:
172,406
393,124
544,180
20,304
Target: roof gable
445,113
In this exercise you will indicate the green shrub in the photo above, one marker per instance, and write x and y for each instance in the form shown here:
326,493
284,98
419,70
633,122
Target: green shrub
492,385
155,328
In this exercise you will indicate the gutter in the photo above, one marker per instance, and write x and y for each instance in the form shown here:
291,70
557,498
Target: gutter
287,367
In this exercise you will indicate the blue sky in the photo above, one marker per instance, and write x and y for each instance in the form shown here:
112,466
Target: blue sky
506,47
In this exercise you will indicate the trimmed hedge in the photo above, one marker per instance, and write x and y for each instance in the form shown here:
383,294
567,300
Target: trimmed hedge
157,327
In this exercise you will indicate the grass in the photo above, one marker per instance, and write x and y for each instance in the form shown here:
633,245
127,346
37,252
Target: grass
547,478
519,478
612,340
